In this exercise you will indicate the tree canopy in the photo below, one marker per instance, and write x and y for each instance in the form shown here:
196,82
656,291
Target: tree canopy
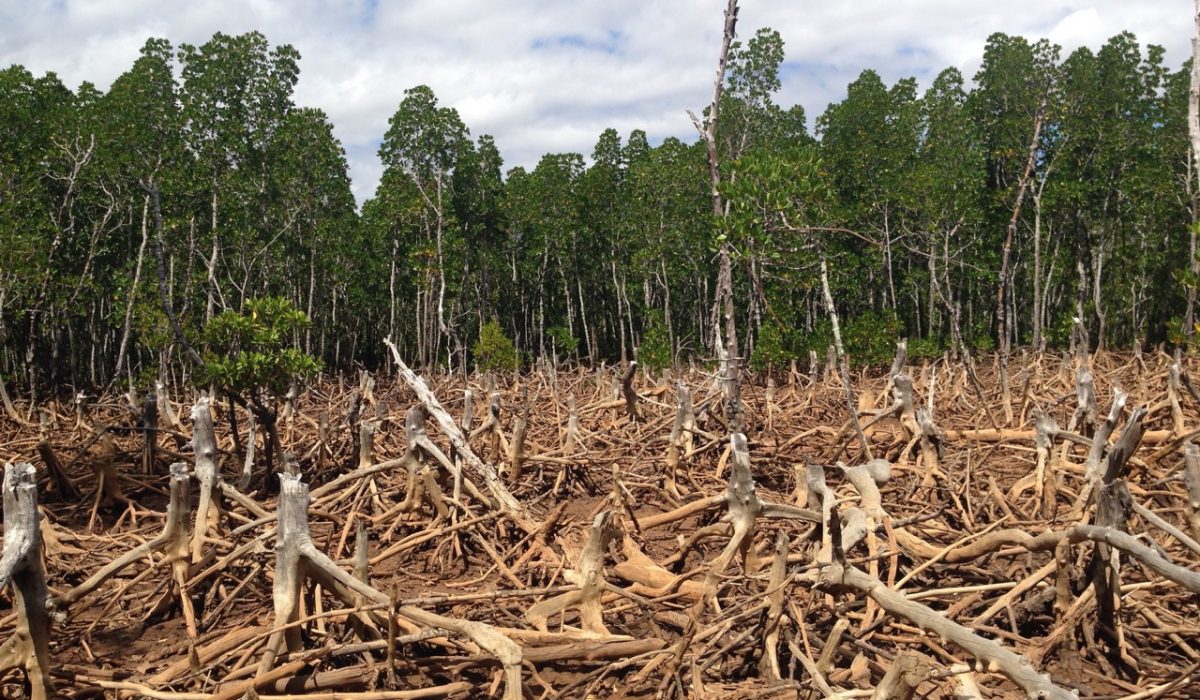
1046,187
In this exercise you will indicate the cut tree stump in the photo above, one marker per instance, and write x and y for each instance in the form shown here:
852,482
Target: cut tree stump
297,558
29,646
208,507
589,576
172,541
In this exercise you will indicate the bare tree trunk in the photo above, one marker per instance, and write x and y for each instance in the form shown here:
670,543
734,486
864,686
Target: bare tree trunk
213,288
29,646
841,354
1037,268
1194,136
133,288
708,132
1001,327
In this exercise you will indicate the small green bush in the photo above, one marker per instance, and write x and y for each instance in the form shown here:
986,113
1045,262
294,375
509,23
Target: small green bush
770,349
494,351
562,340
924,348
870,337
249,351
817,340
981,341
655,350
1058,334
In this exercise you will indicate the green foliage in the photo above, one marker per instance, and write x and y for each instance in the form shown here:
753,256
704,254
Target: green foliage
1058,335
981,340
563,341
1177,333
907,197
769,348
1188,282
252,352
494,351
817,340
870,338
655,350
924,349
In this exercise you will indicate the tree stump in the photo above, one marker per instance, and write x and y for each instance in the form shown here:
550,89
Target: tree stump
589,576
204,446
21,563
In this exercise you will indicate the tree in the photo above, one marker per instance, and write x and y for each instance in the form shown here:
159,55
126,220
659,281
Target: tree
142,145
252,354
948,189
494,351
423,144
724,300
235,93
1193,127
870,142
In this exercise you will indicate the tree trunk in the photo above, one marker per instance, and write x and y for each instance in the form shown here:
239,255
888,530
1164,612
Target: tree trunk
29,646
1010,232
133,288
724,296
841,356
1194,137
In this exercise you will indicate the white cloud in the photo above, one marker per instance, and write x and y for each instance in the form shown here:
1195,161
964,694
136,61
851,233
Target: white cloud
544,77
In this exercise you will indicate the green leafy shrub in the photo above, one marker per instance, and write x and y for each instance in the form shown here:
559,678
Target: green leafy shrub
982,341
870,337
250,353
924,348
562,340
655,350
494,351
1058,334
816,340
770,349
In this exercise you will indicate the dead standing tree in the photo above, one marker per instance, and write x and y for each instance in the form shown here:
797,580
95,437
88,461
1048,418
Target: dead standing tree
708,133
1193,118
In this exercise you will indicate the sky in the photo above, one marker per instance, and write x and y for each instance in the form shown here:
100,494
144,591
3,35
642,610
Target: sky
544,76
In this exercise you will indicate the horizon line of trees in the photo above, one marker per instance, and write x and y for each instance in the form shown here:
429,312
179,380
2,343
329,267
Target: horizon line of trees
983,214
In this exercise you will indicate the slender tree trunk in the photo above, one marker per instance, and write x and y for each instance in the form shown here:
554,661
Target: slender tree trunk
844,368
931,314
725,267
1037,270
887,258
392,294
1194,136
587,333
443,331
133,288
667,306
1010,233
312,285
1097,295
620,316
213,290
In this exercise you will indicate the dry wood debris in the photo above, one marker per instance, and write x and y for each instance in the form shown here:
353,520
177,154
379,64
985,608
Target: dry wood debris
581,544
